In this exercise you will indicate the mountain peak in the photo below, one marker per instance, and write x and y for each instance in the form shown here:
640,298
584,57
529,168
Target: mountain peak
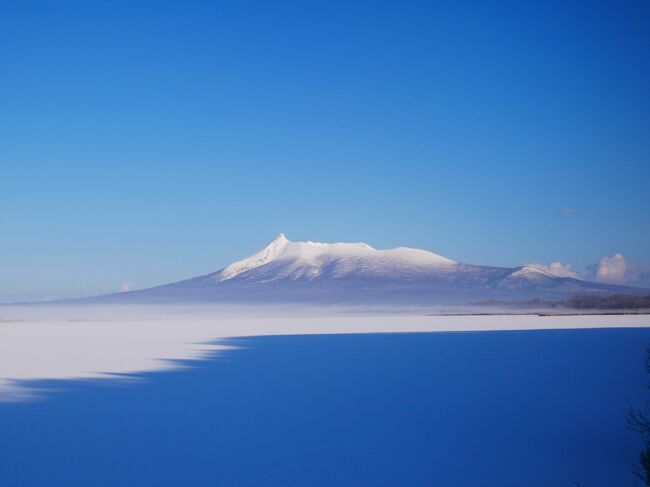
310,260
264,256
281,238
529,273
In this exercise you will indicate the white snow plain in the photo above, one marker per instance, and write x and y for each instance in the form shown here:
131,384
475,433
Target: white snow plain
56,343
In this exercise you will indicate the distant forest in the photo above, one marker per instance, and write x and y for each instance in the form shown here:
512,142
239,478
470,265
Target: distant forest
581,301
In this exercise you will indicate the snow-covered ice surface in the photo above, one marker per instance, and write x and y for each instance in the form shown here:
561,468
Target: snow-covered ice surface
43,343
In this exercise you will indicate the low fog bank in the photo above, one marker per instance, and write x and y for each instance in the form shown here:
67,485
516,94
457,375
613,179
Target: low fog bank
97,342
206,311
48,312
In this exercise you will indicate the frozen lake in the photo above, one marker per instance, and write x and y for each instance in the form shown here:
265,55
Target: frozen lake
506,408
111,342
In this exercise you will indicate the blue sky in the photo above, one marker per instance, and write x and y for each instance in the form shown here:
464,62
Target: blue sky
145,142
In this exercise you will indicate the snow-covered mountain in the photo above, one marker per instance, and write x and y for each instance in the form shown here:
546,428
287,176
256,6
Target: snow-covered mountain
324,273
283,259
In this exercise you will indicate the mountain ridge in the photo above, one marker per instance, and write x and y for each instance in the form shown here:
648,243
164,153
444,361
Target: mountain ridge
357,273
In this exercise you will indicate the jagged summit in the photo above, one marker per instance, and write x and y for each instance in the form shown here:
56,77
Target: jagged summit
311,260
280,239
267,254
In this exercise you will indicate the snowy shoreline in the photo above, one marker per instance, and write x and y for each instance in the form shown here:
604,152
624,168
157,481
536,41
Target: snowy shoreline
37,345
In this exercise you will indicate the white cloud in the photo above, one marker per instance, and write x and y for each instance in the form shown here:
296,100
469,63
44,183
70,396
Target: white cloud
126,287
556,268
612,269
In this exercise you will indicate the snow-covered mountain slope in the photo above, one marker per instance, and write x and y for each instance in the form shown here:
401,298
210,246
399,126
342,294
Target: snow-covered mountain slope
324,273
283,259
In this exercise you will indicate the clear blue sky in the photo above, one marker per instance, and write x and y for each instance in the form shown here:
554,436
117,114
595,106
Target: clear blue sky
146,142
